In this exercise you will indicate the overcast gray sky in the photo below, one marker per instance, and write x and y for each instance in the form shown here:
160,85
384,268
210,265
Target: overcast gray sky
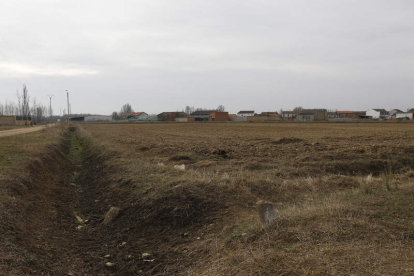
161,55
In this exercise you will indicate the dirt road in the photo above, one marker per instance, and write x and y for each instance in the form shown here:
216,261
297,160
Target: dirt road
11,132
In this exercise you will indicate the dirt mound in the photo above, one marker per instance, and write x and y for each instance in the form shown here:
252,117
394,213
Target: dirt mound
287,141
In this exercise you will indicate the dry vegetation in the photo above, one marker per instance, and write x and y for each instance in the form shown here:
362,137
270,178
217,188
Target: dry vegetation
345,194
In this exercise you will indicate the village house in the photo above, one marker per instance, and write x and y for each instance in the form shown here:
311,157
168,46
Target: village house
137,115
170,116
395,111
359,114
92,118
377,113
345,114
6,120
332,115
312,115
404,115
274,114
209,115
231,116
289,115
306,116
245,113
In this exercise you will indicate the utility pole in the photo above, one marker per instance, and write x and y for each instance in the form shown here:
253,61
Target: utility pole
50,106
67,94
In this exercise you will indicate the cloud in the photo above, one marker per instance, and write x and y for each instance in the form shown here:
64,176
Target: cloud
49,70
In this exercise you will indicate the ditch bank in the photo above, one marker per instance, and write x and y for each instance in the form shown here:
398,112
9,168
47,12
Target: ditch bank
55,225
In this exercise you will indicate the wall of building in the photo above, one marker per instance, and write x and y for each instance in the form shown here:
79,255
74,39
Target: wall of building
263,119
306,118
374,114
219,116
181,119
321,115
98,118
142,116
403,115
8,120
239,119
23,123
245,114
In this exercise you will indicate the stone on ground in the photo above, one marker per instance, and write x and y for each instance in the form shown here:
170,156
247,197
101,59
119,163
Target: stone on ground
111,215
267,212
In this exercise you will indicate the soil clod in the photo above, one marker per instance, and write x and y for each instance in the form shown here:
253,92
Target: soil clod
112,214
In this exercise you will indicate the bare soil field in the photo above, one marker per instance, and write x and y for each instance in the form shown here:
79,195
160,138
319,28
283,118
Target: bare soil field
344,194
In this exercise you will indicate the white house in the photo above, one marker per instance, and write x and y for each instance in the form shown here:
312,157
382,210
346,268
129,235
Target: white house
245,113
138,115
408,115
395,111
377,113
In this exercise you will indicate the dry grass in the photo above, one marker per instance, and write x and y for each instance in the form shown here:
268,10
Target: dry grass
344,191
17,154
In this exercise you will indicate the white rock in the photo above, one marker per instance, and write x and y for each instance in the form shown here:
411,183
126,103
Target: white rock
107,256
108,264
145,255
267,212
180,167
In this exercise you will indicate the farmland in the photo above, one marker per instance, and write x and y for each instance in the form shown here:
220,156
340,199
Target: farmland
344,192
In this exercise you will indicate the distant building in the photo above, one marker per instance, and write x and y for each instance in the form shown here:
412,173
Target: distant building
269,113
404,115
245,113
377,113
92,118
332,115
137,115
290,115
359,114
7,120
209,115
231,116
395,111
306,116
170,116
318,114
345,114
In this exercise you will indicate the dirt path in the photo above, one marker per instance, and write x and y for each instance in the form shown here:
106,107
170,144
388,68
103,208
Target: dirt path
11,132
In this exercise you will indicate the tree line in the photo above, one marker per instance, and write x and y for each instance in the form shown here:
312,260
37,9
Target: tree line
25,108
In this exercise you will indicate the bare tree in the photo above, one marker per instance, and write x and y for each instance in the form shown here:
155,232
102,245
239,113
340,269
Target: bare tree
221,108
189,109
40,114
126,108
298,108
10,108
25,102
19,106
115,115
